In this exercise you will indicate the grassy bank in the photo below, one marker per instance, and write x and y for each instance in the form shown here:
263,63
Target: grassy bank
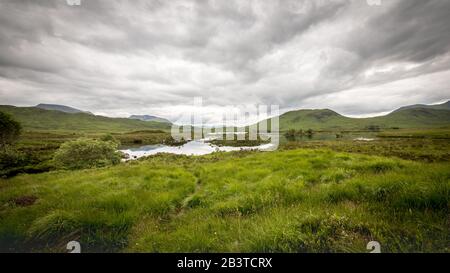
441,133
285,201
417,149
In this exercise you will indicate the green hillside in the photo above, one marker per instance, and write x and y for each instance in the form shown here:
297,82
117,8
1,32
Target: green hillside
33,118
317,120
414,118
324,119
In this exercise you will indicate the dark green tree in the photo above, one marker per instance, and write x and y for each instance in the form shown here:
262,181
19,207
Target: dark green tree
373,128
309,133
9,130
290,134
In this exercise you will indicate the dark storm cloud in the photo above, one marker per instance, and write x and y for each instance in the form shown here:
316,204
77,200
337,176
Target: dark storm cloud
125,57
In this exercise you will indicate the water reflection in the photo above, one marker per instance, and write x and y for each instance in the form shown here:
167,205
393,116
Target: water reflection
196,147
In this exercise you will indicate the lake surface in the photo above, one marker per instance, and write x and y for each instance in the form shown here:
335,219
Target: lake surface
203,147
196,147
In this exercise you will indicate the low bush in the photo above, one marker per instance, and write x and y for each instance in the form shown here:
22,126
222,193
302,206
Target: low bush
86,153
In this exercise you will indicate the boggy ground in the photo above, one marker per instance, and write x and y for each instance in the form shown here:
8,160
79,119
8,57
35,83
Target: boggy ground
300,200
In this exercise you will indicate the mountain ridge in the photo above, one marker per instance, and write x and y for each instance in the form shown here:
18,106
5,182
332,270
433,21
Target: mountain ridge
442,106
149,118
61,108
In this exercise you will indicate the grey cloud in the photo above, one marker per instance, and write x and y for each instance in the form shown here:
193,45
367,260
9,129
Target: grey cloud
119,56
413,30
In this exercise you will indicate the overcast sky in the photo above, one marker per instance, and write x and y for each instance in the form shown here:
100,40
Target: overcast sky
119,58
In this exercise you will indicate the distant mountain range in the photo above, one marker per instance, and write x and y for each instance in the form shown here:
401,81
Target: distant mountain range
71,110
64,118
61,108
149,118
